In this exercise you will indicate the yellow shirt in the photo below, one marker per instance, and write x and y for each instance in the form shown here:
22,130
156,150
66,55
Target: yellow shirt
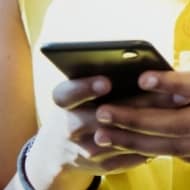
33,13
163,173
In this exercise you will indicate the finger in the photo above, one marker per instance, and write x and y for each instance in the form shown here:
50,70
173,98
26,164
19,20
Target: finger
72,93
122,162
161,122
81,121
97,153
82,125
87,142
171,82
159,100
145,145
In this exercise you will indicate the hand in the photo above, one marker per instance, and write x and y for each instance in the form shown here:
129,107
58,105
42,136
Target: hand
152,130
75,97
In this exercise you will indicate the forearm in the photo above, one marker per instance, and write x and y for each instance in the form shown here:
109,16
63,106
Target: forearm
17,112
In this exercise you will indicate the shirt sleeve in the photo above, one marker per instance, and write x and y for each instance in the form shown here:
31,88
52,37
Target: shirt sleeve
33,13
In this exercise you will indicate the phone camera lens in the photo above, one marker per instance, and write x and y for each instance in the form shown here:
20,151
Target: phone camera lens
129,55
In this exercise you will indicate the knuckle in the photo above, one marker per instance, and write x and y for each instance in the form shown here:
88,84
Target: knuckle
178,147
179,82
175,131
132,121
179,124
132,144
86,85
176,86
182,129
170,81
127,117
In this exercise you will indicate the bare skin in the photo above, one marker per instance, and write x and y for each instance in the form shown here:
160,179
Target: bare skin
72,93
155,130
17,107
17,111
18,116
158,124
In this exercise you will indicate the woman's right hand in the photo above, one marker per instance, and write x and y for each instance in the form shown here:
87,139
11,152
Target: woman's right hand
67,138
76,97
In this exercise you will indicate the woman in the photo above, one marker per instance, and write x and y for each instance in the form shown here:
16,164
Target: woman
155,175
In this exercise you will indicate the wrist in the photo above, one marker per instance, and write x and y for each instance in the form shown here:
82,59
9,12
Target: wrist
33,174
45,161
51,151
83,179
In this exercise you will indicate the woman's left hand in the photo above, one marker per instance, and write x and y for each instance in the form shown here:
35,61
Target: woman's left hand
155,127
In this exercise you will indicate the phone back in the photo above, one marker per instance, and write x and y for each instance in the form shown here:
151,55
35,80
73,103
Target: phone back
122,62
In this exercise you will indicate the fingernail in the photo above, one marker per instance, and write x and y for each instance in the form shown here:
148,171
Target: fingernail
99,86
178,99
104,116
104,144
102,140
149,82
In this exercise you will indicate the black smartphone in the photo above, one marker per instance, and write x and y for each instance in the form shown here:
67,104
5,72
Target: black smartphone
121,61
